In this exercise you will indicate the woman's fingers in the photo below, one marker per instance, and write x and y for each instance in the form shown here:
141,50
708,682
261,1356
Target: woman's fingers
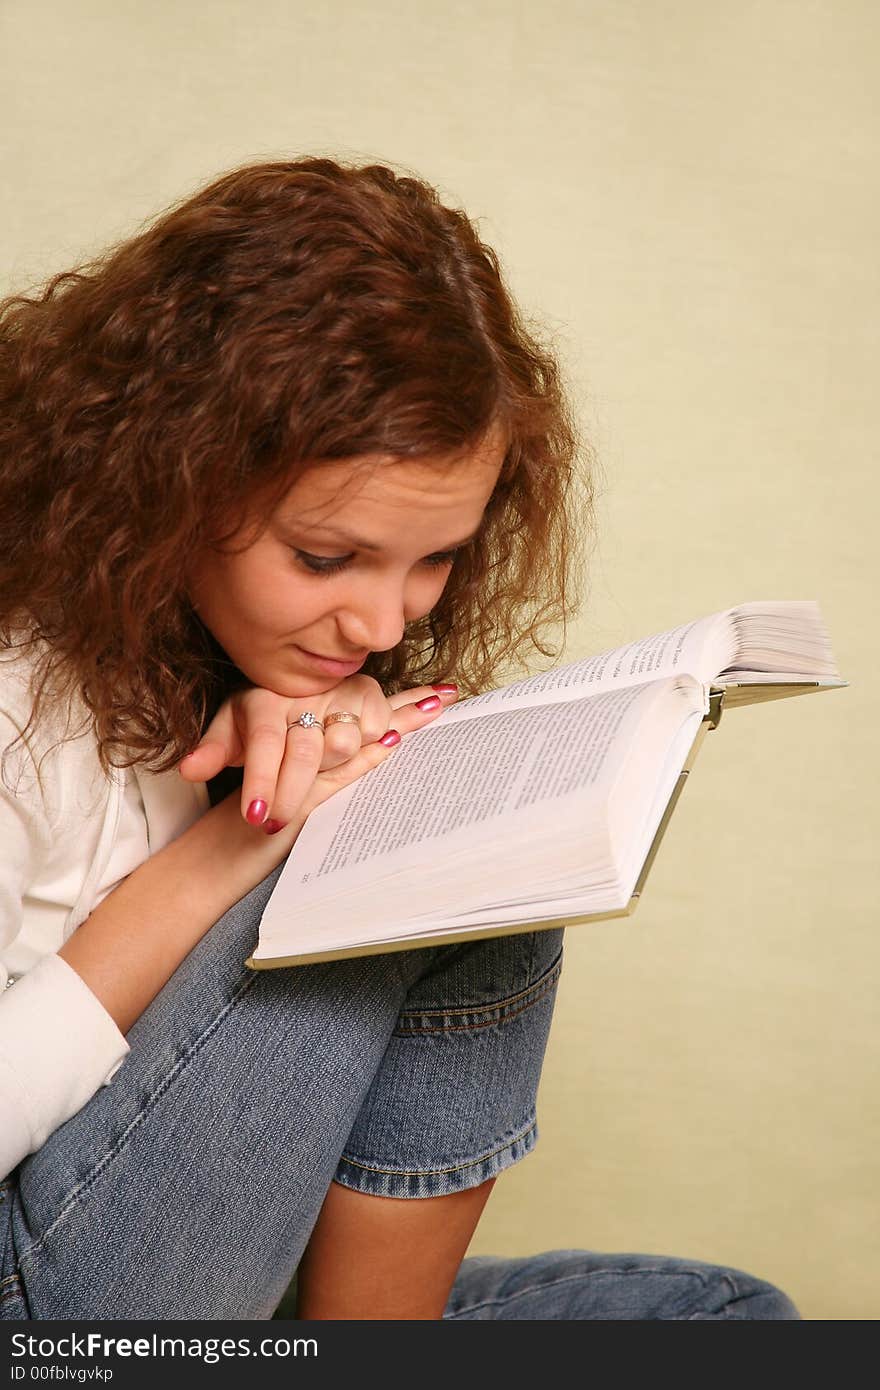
365,698
282,760
282,757
340,757
446,690
219,746
303,751
413,709
262,717
324,786
378,713
342,739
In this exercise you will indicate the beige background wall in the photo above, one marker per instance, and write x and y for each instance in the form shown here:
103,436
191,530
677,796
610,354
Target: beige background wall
685,193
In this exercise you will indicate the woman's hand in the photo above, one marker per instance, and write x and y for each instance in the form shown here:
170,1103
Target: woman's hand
282,763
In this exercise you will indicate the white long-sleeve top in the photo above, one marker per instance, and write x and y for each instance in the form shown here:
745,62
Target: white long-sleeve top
67,839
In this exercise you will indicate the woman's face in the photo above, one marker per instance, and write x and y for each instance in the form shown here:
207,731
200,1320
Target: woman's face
351,554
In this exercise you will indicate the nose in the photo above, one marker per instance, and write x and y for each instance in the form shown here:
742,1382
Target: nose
374,618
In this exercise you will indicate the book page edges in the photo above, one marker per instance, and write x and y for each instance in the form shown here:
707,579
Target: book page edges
720,698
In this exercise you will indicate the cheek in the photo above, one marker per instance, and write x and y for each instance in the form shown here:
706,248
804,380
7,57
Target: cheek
424,592
258,580
283,602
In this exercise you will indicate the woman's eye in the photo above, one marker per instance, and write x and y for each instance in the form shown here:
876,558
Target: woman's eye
322,564
332,564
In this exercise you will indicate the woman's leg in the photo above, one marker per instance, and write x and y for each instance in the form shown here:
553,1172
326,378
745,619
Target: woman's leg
189,1188
452,1105
386,1258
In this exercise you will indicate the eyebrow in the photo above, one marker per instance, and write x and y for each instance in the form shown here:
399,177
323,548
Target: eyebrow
358,543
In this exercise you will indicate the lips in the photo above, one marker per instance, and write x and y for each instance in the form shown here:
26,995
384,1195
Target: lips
343,660
331,665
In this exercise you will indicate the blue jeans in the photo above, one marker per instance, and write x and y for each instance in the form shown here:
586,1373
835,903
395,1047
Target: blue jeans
189,1187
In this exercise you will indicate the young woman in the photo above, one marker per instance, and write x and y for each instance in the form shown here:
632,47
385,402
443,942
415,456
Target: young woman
271,473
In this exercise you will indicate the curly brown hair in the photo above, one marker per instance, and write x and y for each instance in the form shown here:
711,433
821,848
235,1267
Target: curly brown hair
288,313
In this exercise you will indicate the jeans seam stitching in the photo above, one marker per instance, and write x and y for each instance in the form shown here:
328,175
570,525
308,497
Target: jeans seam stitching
502,1010
554,965
434,1172
736,1296
578,1278
140,1117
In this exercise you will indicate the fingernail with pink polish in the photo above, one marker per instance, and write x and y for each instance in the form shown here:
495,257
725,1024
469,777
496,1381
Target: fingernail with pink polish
429,702
391,739
446,688
273,826
257,812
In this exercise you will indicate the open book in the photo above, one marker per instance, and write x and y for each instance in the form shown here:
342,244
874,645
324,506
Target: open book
540,804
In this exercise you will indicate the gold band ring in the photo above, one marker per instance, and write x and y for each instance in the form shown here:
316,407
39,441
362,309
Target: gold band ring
341,716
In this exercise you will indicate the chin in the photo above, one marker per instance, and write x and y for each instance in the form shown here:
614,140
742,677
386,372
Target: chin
311,685
299,687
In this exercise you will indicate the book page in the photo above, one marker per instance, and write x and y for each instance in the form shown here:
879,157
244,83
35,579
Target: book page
558,898
453,785
753,642
779,640
698,648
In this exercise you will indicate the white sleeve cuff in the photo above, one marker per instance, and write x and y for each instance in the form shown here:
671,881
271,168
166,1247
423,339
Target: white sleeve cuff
58,1045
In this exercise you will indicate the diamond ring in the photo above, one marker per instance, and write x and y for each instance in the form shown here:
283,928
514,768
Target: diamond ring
307,720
